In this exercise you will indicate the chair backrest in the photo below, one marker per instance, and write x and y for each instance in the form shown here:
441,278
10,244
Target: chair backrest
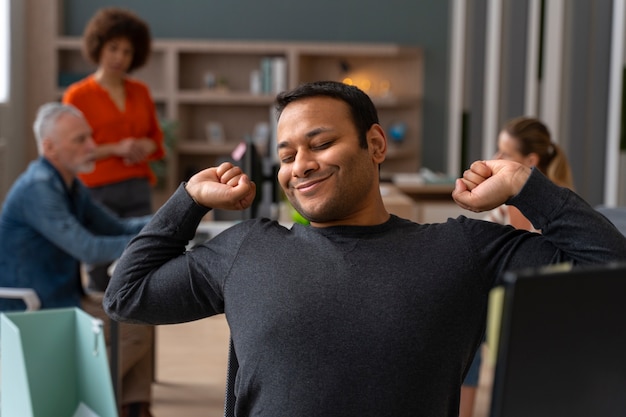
28,295
562,334
231,374
617,215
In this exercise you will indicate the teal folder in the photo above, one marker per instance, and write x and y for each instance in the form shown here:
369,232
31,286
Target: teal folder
54,363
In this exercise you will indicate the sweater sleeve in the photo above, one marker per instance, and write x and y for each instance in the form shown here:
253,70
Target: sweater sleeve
47,211
150,275
571,224
571,232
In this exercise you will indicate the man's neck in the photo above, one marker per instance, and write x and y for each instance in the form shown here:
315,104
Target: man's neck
67,177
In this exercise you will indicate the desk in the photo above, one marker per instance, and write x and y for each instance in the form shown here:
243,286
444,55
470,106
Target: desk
427,192
416,186
398,203
433,201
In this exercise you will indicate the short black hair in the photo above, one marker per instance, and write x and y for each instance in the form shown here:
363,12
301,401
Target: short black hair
110,23
362,109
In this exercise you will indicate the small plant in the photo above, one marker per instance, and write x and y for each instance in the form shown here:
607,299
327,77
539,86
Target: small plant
159,167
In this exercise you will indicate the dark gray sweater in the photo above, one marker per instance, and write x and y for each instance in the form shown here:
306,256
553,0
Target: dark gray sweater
349,320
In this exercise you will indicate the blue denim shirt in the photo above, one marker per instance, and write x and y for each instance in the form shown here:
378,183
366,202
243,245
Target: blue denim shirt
46,230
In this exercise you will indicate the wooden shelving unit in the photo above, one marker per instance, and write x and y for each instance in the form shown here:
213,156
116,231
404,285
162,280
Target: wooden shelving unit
177,75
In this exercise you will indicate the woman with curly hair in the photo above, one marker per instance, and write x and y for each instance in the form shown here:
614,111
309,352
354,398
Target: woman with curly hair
122,114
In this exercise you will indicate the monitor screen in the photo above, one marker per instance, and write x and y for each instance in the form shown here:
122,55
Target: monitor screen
562,349
263,173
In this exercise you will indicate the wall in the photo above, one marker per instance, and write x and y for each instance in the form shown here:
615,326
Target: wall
12,114
423,23
561,74
586,92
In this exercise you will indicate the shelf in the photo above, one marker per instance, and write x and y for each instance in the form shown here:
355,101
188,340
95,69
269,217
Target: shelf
197,83
223,98
190,147
398,152
396,101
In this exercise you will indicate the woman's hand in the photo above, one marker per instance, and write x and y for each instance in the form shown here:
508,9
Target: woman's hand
134,151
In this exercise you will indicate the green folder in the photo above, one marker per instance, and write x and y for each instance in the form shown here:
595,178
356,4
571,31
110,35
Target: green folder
54,363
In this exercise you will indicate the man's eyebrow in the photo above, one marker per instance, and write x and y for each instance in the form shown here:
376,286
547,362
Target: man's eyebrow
309,135
317,131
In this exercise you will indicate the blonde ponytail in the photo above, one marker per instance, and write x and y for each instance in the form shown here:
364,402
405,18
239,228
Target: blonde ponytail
558,169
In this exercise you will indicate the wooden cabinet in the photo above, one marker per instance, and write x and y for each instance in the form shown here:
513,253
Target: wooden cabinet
392,77
222,87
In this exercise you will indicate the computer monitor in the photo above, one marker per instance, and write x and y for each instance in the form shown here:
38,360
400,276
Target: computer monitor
263,172
251,161
562,349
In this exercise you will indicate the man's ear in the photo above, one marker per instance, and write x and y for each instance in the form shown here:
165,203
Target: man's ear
377,143
47,146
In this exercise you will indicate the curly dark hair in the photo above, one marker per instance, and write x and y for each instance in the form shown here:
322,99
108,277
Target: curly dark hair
110,23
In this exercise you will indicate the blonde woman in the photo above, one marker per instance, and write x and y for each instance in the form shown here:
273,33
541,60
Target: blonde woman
528,141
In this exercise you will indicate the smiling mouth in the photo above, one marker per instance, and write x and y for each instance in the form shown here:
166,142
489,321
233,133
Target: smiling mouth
309,184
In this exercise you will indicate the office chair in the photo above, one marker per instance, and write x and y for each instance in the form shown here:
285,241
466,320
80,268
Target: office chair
28,295
231,374
617,216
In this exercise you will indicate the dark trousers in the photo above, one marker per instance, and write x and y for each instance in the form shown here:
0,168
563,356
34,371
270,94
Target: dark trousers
130,198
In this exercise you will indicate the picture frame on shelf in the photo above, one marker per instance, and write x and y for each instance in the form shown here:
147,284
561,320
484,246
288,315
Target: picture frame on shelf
215,132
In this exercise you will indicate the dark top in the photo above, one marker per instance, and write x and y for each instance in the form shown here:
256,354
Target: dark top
349,320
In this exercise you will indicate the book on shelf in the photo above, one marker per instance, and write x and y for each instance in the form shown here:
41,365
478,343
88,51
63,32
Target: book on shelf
273,74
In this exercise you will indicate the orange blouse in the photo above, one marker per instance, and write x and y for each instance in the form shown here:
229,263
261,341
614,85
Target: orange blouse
110,125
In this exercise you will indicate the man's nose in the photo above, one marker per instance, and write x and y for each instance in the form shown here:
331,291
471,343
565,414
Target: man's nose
91,144
303,164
